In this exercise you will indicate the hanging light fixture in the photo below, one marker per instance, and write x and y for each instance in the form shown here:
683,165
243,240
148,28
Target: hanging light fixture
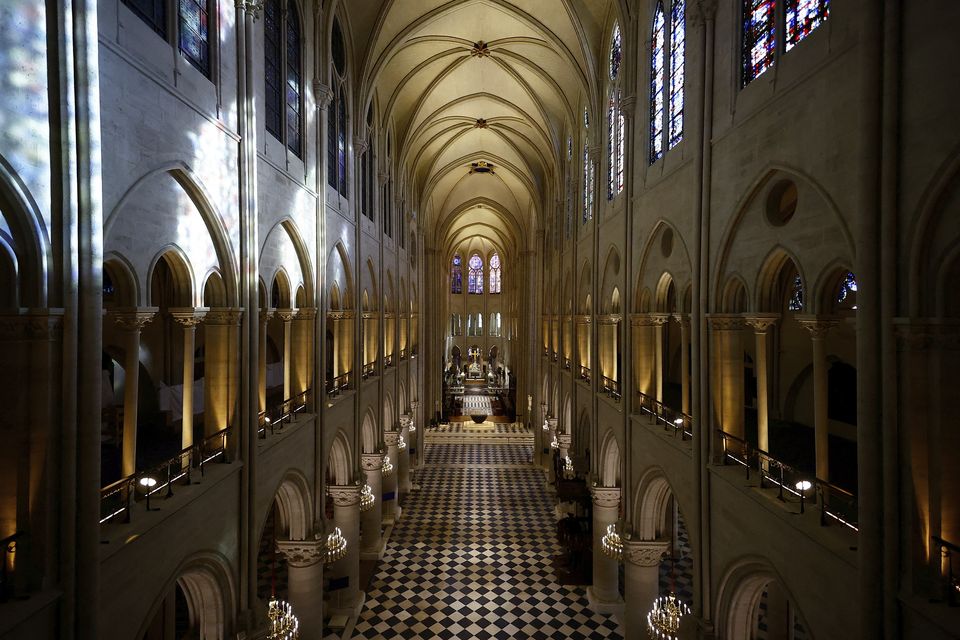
663,621
546,426
283,624
367,499
387,467
336,546
567,465
401,443
611,544
411,427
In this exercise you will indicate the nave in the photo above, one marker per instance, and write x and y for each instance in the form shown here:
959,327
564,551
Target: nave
472,556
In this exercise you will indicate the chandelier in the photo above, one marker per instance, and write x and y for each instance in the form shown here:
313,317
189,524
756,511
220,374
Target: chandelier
367,499
554,444
411,427
567,464
546,426
387,467
336,546
611,544
283,624
663,621
401,443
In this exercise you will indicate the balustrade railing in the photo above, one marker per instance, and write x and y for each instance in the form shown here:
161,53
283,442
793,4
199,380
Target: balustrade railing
584,373
566,363
554,356
611,387
369,369
338,384
681,423
118,499
403,354
273,419
836,504
8,566
950,582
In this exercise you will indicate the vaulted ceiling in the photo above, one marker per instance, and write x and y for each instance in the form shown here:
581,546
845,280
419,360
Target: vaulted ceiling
479,95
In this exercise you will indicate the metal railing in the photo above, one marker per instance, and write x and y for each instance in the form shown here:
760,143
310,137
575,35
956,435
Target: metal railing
584,373
566,363
8,547
554,356
403,354
681,423
369,369
950,583
273,420
836,504
118,499
338,384
611,387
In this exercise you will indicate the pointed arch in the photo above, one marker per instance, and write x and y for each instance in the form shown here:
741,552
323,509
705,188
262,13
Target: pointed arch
340,460
31,244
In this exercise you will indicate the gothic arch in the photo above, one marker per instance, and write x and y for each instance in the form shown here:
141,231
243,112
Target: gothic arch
610,463
293,499
650,504
339,459
369,438
339,275
739,594
31,245
288,226
182,272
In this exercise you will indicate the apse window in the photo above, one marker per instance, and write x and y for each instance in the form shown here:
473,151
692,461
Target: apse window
667,77
193,27
761,31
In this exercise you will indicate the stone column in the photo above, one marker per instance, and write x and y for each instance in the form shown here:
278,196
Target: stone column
564,442
391,493
220,368
265,316
683,320
818,328
761,324
641,578
287,316
551,436
604,593
303,350
643,355
188,319
418,424
346,515
658,320
371,541
305,583
403,469
131,321
539,442
728,372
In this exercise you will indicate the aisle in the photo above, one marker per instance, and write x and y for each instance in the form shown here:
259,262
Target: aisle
471,557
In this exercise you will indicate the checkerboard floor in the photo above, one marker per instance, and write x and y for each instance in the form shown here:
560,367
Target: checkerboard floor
471,558
478,454
470,427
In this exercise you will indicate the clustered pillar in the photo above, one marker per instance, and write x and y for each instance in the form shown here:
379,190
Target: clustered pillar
346,516
604,593
304,560
391,494
371,540
641,577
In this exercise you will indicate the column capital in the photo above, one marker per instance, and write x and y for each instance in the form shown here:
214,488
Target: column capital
683,319
645,553
189,316
642,320
306,313
552,423
344,495
761,322
414,404
605,496
360,145
31,324
627,106
565,440
224,316
301,553
659,318
266,315
322,95
391,438
287,314
818,326
133,318
253,7
371,461
725,321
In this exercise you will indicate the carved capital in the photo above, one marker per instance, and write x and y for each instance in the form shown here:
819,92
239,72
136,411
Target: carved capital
606,496
132,319
725,321
552,423
360,145
391,438
628,105
643,320
266,315
31,325
609,318
645,553
322,95
301,553
414,404
224,316
306,313
188,316
344,495
371,461
683,319
287,314
762,322
564,440
818,326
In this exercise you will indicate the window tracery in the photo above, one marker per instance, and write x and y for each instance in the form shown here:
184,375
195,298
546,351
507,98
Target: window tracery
456,276
759,38
337,116
657,79
801,18
495,281
475,275
677,73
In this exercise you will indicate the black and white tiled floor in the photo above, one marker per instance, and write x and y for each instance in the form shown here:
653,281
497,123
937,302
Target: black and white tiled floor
478,454
470,427
471,558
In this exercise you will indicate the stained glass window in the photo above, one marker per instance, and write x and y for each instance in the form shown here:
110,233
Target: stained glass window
621,143
294,81
611,146
802,17
616,52
677,59
475,275
586,119
495,281
759,38
153,12
657,72
342,141
272,62
796,295
589,176
194,34
847,293
337,119
456,275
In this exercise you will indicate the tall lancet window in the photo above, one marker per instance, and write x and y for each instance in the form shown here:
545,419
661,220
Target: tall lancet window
589,173
615,120
657,80
677,59
337,116
495,273
456,275
475,275
759,38
802,17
